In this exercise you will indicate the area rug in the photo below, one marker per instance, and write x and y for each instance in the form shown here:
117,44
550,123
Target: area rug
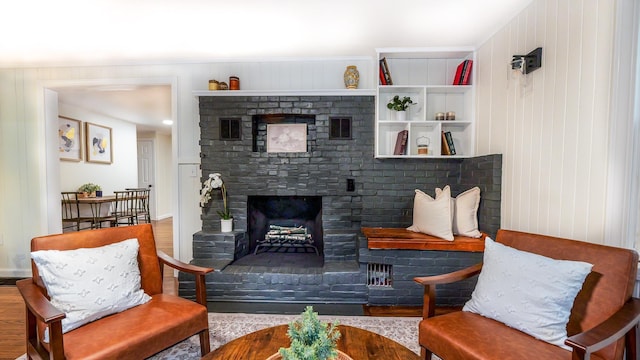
224,327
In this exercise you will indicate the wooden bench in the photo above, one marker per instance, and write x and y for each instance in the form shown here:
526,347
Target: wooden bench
400,238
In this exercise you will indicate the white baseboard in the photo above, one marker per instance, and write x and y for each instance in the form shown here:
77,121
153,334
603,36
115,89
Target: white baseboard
162,217
15,273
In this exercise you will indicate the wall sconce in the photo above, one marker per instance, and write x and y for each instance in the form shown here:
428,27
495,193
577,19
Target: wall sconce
527,63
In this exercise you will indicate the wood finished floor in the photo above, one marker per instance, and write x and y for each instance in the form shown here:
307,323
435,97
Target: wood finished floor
12,312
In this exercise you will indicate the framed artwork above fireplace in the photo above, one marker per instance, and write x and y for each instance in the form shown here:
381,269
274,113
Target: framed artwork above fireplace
287,138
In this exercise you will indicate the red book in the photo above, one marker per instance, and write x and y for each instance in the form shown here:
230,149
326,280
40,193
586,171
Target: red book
456,79
383,80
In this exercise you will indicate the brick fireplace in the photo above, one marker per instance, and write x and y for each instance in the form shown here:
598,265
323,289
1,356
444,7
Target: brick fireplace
354,189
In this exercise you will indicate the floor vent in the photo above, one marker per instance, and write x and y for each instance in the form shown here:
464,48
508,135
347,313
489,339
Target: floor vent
379,275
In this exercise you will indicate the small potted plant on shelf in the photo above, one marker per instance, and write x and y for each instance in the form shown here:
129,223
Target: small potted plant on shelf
311,339
214,181
89,189
400,105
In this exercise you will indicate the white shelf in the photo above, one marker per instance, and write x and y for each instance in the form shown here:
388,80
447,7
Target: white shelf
305,92
426,75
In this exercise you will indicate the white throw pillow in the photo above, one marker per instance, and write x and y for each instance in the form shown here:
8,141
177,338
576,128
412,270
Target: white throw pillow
528,292
90,283
464,210
432,216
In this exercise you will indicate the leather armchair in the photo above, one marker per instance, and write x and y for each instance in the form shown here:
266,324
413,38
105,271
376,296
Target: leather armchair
136,333
603,323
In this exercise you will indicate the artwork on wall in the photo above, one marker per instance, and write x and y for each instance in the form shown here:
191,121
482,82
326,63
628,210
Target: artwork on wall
99,145
287,138
69,139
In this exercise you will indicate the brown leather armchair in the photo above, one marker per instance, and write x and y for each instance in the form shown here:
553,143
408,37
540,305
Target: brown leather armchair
603,323
136,333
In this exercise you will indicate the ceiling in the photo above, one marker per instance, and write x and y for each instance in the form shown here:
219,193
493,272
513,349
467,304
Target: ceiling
99,32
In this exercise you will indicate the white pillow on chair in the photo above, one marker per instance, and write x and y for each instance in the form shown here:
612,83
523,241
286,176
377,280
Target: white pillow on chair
432,216
90,283
527,291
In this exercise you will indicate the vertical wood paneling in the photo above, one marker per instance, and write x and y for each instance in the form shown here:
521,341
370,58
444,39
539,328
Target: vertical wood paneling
553,130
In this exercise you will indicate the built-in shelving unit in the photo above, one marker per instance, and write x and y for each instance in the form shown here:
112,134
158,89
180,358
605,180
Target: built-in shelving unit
426,75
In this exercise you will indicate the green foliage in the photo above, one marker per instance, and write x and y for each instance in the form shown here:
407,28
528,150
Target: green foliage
311,339
89,188
399,104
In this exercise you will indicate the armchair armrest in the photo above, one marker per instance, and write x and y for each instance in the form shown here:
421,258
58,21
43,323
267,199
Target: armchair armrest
39,308
37,303
623,323
430,282
198,271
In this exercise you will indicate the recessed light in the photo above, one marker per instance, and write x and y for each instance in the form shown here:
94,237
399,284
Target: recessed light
167,122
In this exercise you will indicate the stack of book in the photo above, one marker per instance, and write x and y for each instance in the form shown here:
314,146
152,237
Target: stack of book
447,144
401,143
385,75
463,73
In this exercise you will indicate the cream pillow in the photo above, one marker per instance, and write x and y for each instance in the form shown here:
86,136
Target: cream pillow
432,216
527,291
90,283
464,212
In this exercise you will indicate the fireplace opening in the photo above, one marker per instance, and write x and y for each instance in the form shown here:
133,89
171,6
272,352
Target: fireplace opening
284,231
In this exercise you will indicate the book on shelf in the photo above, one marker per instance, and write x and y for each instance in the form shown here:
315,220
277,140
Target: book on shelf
466,74
385,70
449,138
383,80
463,73
444,146
401,143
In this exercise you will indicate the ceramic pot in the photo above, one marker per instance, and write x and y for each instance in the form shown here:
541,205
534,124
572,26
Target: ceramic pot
351,77
226,225
401,115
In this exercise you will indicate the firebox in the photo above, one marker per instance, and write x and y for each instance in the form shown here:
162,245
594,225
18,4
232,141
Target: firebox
285,224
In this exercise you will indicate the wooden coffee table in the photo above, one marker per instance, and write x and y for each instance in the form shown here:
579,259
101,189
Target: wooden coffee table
359,344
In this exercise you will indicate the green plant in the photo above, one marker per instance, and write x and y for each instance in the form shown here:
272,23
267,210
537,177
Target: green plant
398,104
89,188
311,339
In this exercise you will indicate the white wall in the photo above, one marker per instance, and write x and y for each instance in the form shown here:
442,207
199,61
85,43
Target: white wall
23,209
122,173
554,131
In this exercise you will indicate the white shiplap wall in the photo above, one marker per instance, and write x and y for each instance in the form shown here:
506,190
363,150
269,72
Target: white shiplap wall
552,127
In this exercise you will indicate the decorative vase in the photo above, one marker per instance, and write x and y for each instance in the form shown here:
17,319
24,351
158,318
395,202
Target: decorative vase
226,225
98,193
401,115
351,77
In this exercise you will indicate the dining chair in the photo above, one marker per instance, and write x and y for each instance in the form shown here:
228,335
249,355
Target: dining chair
122,211
71,212
141,205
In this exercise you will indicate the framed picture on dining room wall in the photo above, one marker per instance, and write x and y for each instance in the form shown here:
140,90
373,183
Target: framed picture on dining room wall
99,144
69,139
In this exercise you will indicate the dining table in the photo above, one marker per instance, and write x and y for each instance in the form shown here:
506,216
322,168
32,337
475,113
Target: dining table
93,207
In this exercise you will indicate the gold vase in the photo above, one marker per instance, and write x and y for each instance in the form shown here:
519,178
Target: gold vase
351,77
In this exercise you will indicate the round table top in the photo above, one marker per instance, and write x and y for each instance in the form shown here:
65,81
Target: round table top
359,344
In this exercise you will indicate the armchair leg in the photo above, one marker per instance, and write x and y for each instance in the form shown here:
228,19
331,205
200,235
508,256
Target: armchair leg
632,342
204,342
425,354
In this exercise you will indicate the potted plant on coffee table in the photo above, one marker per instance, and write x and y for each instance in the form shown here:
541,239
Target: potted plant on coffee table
400,105
311,339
